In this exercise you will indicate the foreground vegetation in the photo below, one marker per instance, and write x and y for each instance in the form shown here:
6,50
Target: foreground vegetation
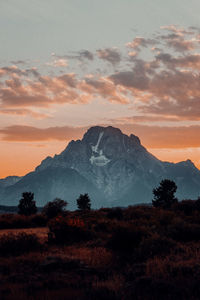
140,252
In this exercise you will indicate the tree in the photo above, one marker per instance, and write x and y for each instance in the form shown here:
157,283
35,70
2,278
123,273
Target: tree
54,208
83,202
27,205
197,204
164,194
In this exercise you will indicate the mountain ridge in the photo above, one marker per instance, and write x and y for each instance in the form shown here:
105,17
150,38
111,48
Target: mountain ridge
116,169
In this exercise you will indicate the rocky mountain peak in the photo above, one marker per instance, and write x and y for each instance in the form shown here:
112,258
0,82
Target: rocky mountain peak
135,139
110,139
98,148
93,133
114,168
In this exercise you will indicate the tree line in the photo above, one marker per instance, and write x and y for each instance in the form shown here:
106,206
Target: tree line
27,205
164,197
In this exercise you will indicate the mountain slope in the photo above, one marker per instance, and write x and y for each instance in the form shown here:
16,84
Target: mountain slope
10,180
115,169
47,184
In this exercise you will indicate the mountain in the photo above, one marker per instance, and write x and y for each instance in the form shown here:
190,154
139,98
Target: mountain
10,180
113,168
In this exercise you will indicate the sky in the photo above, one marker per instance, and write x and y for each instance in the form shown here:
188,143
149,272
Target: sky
67,65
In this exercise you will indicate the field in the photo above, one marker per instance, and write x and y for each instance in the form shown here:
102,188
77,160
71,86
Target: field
134,253
41,232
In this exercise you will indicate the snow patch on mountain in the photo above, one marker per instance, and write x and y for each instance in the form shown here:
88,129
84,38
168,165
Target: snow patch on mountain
95,148
98,158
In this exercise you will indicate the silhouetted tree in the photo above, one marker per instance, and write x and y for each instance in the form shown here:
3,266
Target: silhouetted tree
27,205
164,194
197,204
83,202
54,208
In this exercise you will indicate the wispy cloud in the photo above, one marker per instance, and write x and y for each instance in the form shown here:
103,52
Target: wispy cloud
111,55
81,55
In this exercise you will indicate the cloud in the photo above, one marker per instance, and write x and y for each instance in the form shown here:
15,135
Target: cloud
24,112
161,82
167,83
58,63
103,87
79,55
148,118
140,42
18,133
173,93
19,62
164,137
11,70
181,45
180,39
69,79
131,79
191,61
178,30
151,136
45,91
86,54
111,55
16,71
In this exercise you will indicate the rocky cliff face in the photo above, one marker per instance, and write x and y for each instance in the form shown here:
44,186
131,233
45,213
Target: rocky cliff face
108,158
115,168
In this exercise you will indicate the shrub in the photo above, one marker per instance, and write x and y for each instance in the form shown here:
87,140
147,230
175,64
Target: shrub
115,213
164,194
186,206
83,202
67,231
184,232
102,226
137,212
38,220
8,221
54,208
197,203
155,246
27,205
165,217
126,238
173,267
156,289
18,244
99,293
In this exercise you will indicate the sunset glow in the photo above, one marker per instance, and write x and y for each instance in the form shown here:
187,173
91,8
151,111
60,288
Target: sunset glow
142,76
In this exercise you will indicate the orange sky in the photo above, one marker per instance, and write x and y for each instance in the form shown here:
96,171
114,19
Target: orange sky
19,158
177,155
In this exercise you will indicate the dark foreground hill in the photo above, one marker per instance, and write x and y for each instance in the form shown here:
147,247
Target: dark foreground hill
134,253
115,169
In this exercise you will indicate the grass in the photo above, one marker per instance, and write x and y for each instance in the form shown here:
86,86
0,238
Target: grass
41,232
